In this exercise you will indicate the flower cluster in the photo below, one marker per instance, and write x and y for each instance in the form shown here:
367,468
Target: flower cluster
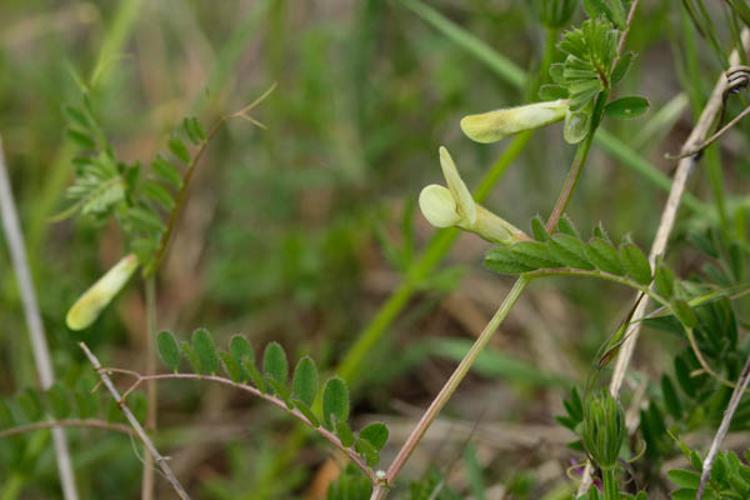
454,205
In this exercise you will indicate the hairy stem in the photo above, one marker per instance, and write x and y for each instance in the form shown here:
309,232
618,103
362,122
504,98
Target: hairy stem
35,326
139,431
325,433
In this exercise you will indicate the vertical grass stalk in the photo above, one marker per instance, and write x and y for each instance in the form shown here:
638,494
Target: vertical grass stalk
37,336
147,487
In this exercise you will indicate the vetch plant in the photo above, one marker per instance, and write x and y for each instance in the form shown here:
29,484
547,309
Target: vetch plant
701,385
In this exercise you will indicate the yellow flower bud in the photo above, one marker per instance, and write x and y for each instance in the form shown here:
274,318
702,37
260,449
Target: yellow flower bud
87,308
495,125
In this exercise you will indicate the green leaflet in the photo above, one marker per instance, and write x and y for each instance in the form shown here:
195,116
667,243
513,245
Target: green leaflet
169,351
305,381
376,433
335,402
275,364
205,351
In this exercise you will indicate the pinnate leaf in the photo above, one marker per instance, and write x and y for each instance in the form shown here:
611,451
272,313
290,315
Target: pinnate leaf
570,251
502,260
603,255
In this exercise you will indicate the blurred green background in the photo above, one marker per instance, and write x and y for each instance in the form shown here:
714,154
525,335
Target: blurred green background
300,232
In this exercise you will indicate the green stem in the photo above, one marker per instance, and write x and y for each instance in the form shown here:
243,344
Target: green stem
455,379
611,489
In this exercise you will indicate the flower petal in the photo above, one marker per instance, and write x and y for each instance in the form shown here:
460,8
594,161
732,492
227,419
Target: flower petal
464,200
438,206
90,304
495,125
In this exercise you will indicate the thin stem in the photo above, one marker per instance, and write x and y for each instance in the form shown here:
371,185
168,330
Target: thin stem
625,32
139,431
147,486
325,433
576,168
455,379
721,433
611,489
35,326
181,199
90,423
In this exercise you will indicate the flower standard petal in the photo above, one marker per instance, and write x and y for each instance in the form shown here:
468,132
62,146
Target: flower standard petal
464,201
438,206
90,304
495,125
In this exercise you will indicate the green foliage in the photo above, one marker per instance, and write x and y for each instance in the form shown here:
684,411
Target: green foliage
61,401
603,429
554,13
612,10
350,485
627,107
586,72
205,351
730,477
335,402
299,394
568,250
169,351
141,200
305,381
376,433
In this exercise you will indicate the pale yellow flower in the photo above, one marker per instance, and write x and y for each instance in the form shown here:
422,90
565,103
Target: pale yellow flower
495,125
88,307
454,206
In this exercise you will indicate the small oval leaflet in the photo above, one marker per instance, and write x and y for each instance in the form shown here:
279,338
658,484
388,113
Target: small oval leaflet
335,402
627,107
169,351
